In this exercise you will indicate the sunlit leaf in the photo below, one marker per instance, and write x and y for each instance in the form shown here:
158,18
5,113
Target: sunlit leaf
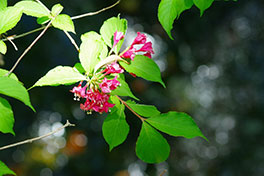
115,128
32,8
43,20
3,72
79,67
143,110
3,47
108,29
144,67
6,117
90,51
60,75
9,17
64,22
176,124
123,89
203,5
56,9
95,36
3,4
169,10
151,146
13,88
4,170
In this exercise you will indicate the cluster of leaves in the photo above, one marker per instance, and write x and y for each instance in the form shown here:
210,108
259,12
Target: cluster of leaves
169,10
95,51
10,16
9,83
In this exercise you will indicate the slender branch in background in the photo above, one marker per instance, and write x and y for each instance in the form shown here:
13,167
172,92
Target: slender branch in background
13,37
37,138
124,103
29,47
72,40
14,45
163,172
43,5
95,13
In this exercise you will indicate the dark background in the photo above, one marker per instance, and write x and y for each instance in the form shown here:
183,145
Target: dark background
213,70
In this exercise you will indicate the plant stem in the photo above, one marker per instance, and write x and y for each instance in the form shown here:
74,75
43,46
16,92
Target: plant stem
163,172
37,138
13,37
124,103
95,13
72,40
29,47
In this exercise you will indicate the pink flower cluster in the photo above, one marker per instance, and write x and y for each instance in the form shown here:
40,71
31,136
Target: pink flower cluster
95,99
139,40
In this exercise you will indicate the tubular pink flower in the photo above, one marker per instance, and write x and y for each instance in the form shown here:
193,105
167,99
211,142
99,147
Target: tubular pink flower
96,101
108,85
147,47
117,37
129,53
140,39
113,68
79,91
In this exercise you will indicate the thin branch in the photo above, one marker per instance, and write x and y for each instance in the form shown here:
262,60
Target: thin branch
72,40
29,47
37,138
124,103
95,13
43,5
13,37
163,172
14,45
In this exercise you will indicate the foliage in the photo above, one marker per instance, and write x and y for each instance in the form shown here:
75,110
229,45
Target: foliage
100,73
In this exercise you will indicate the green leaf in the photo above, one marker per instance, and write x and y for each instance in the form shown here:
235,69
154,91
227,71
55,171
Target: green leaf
143,110
144,67
95,36
43,20
60,75
6,117
115,128
79,67
12,88
56,9
4,170
32,8
169,10
151,146
3,72
176,124
3,4
90,50
108,29
9,17
203,5
123,89
3,47
64,22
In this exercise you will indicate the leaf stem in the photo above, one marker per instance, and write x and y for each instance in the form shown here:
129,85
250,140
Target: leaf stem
72,40
136,114
67,124
29,47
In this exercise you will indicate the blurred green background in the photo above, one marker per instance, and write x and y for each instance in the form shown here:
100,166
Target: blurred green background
213,69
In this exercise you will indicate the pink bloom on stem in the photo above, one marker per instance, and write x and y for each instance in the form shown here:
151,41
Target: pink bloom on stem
79,92
117,37
108,85
113,68
96,101
129,53
140,39
147,47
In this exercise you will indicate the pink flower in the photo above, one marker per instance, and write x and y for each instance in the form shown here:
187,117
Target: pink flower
113,68
79,91
117,37
147,47
140,39
108,85
96,101
129,53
